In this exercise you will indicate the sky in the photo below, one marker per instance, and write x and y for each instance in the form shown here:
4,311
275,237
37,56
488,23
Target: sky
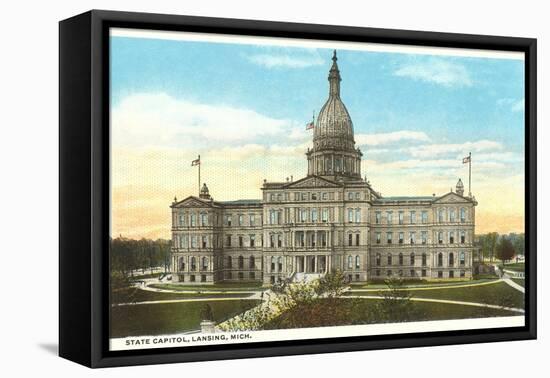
244,106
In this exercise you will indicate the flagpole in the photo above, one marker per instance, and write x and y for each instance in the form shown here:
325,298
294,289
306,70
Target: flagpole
470,174
199,158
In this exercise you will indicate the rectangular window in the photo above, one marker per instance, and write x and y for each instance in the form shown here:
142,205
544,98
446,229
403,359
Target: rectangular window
350,215
252,240
424,273
193,242
350,196
204,219
451,237
181,220
356,239
204,242
424,236
389,237
325,215
193,220
378,217
401,237
440,237
272,241
424,217
357,215
462,237
357,196
462,215
413,217
313,196
412,237
240,241
228,220
314,215
252,219
228,241
279,241
452,215
350,240
389,215
441,216
400,216
378,237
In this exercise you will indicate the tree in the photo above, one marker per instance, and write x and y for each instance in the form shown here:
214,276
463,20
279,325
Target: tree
491,243
396,305
519,244
505,249
332,284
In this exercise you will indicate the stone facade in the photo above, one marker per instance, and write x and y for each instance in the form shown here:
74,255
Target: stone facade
330,219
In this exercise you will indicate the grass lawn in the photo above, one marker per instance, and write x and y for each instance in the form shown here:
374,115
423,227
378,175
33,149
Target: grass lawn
423,283
519,281
131,295
423,311
517,267
229,286
498,294
170,318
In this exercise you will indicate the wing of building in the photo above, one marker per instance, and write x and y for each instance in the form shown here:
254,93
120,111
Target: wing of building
331,219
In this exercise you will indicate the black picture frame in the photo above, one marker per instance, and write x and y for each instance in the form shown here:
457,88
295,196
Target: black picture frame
84,186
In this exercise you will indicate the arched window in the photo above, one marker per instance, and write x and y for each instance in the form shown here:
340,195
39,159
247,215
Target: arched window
204,264
378,259
400,259
462,215
241,262
357,262
350,262
193,263
462,258
229,262
451,259
412,258
440,259
424,259
389,259
252,262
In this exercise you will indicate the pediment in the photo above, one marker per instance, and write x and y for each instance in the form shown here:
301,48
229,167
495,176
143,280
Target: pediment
192,201
312,182
452,198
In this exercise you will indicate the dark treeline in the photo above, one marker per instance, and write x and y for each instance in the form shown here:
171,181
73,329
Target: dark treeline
503,247
130,257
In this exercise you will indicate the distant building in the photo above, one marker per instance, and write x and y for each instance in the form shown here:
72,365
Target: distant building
330,219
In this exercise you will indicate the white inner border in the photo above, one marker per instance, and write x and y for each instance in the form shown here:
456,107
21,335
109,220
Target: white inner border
325,332
195,339
307,43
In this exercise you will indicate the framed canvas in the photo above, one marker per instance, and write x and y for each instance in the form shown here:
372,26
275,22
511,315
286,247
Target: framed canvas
235,188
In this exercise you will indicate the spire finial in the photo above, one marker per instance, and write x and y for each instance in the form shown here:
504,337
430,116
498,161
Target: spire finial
334,57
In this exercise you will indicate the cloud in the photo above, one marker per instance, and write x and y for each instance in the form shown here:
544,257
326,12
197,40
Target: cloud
388,138
430,150
513,104
286,59
436,71
157,119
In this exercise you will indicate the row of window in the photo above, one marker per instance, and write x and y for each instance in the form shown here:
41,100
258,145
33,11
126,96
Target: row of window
423,273
412,216
202,219
224,263
423,237
228,275
311,196
424,258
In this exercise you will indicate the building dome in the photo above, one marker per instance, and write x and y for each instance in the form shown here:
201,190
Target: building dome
334,128
460,187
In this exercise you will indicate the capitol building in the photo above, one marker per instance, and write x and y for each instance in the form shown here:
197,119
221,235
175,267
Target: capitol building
331,219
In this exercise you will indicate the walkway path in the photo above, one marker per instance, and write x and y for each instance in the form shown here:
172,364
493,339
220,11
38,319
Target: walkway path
434,287
513,284
161,301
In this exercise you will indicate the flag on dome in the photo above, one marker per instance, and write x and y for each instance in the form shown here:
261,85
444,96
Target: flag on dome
310,126
467,159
